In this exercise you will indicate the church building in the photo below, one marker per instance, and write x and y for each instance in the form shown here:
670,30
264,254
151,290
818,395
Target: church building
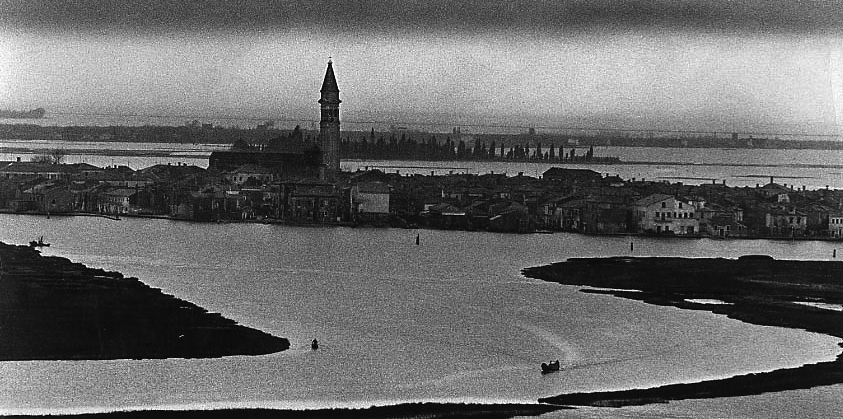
295,158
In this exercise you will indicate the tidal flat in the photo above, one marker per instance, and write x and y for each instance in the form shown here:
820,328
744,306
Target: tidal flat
755,289
54,309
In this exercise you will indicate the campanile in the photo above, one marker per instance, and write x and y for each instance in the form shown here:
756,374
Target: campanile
329,125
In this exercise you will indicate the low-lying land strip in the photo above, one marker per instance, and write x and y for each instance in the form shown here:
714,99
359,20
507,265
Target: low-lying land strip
408,410
755,289
54,309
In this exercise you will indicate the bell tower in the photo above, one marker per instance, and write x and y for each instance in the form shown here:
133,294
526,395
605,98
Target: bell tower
329,125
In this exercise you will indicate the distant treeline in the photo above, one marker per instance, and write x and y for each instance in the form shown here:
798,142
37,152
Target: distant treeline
429,147
414,142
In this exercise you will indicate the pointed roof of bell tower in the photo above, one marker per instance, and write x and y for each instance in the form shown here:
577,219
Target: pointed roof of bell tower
330,83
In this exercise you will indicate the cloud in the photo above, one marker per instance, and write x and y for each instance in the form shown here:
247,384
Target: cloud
156,16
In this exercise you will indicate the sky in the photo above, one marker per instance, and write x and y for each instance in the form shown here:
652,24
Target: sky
711,65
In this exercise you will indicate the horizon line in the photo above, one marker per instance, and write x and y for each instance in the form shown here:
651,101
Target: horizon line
461,125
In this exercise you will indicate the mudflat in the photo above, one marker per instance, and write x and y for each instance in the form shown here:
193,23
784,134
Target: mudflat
755,289
54,309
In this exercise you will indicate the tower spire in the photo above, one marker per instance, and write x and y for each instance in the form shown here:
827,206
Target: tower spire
330,82
329,125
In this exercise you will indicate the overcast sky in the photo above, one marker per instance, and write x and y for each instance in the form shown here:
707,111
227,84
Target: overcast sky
681,64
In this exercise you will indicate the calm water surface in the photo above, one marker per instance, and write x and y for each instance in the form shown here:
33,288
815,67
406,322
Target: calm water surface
449,319
813,169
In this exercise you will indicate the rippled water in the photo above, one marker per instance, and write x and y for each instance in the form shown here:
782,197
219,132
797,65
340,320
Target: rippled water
449,319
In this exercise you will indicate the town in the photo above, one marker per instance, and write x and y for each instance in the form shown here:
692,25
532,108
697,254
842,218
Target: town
295,179
561,199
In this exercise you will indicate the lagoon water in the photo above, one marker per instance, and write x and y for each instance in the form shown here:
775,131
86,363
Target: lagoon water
812,169
449,319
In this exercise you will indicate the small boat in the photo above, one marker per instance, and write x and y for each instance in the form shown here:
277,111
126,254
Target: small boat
550,367
39,243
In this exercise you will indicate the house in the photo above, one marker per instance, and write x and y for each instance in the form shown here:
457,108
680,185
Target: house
835,225
567,214
775,190
17,169
662,213
50,196
724,226
250,173
211,203
315,203
785,221
509,217
117,201
370,201
445,215
604,217
719,221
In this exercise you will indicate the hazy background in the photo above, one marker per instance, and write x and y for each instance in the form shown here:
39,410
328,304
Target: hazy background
772,66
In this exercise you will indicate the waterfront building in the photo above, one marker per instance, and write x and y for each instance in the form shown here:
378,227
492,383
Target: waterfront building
118,201
314,203
786,221
370,201
662,213
329,123
835,225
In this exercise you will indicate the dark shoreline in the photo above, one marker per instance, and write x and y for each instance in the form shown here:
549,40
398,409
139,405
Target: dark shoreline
759,291
405,410
54,309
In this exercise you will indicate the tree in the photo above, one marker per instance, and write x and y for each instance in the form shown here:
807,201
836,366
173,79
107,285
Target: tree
58,155
54,156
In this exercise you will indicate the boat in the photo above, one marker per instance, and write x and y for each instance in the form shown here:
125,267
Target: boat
39,243
31,114
549,367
